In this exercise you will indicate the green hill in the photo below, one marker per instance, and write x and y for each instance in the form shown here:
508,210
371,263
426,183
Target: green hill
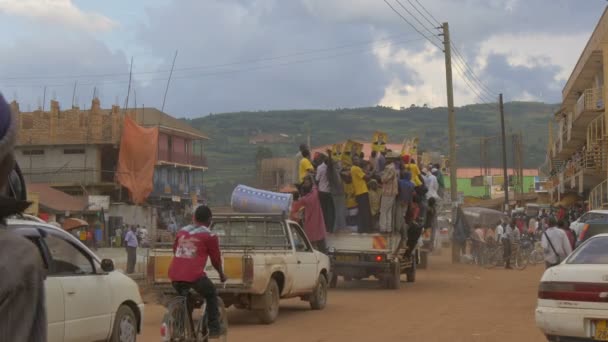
232,159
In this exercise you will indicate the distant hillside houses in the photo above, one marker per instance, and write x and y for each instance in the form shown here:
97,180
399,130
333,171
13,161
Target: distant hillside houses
269,138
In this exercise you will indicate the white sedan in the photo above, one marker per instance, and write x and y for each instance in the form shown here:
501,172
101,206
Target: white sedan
86,299
573,296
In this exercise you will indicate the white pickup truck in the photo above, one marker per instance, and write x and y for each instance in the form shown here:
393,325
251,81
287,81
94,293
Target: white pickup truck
265,258
359,256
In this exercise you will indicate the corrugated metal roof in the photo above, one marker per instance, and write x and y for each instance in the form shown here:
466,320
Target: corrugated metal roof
55,200
153,117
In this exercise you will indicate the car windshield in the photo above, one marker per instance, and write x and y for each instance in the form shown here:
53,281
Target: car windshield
594,251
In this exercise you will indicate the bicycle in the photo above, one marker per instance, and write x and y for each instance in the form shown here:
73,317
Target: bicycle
494,256
178,324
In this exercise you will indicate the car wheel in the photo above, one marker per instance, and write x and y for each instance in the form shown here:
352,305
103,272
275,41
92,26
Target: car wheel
318,298
125,325
271,299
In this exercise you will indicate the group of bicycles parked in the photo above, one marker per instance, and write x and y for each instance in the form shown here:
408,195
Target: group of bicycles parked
506,245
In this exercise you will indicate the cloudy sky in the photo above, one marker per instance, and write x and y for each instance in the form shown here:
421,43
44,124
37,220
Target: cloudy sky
280,54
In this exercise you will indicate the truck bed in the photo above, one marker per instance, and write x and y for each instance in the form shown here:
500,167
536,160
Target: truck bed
362,242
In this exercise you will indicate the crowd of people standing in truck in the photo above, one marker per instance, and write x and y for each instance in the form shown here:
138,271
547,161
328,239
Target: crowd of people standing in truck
384,193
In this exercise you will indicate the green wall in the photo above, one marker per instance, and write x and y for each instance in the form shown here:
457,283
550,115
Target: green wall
464,185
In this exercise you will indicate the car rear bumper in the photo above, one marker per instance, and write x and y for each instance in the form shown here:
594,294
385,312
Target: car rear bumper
565,324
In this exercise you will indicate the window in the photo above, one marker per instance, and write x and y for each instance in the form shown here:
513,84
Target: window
591,252
32,152
67,259
299,239
73,151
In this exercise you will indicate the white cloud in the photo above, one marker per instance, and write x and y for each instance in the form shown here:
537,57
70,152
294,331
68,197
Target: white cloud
429,84
530,50
62,12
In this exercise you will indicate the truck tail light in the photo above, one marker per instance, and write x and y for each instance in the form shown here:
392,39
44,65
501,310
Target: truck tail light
583,232
571,291
247,269
379,258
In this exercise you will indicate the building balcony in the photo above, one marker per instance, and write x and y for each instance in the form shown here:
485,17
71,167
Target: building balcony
598,197
573,126
589,103
168,157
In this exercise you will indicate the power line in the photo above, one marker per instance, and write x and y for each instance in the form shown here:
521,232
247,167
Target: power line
424,16
485,101
418,20
481,93
222,72
473,74
412,25
429,13
211,66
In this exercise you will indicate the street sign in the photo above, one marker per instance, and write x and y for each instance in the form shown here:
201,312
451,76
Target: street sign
97,203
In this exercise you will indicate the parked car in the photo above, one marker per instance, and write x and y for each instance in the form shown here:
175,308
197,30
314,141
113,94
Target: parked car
86,299
572,297
591,229
592,215
265,257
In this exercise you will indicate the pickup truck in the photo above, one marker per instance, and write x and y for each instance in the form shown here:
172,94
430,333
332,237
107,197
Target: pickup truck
266,258
359,256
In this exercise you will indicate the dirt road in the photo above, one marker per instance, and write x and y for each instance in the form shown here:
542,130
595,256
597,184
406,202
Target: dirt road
447,303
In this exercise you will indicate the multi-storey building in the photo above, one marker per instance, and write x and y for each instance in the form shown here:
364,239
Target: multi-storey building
577,148
76,151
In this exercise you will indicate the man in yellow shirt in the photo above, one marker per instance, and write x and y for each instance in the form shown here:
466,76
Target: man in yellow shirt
359,180
306,167
410,165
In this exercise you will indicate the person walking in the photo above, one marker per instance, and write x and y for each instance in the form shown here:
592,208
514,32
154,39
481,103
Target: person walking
390,190
359,180
327,203
555,243
561,224
131,245
511,235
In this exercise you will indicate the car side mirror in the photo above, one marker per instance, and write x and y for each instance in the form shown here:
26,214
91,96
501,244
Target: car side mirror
107,265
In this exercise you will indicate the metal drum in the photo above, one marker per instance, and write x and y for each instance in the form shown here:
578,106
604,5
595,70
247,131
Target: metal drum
246,199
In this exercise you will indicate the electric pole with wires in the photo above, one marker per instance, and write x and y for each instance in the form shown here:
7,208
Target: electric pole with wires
451,118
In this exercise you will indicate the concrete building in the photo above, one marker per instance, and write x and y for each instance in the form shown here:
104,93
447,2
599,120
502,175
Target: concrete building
76,151
577,148
275,173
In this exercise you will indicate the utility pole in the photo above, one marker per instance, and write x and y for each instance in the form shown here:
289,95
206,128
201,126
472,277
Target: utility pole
451,118
451,134
504,152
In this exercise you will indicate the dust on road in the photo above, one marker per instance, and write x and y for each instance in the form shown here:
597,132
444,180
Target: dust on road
447,303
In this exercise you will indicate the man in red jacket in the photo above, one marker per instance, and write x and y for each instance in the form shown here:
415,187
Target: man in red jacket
193,245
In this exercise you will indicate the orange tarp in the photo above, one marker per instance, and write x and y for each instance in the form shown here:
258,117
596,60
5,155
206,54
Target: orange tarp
137,159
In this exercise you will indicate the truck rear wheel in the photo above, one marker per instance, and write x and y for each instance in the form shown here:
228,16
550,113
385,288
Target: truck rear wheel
392,281
424,260
318,297
410,273
271,299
